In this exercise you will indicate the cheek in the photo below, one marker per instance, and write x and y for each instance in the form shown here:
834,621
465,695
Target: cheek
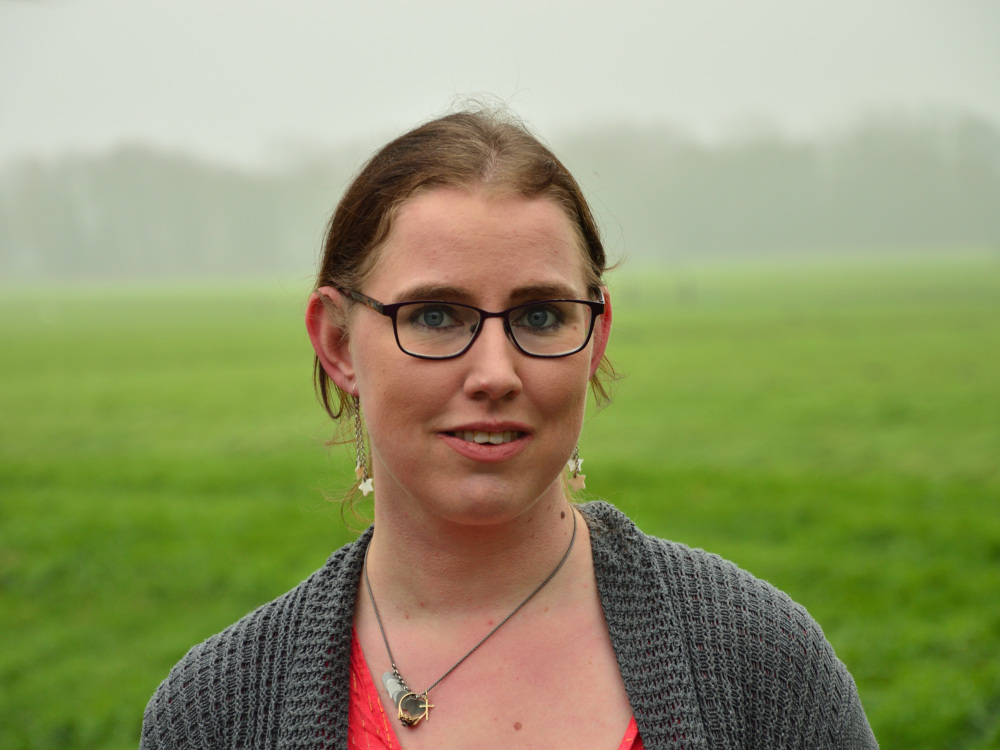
400,397
563,393
375,357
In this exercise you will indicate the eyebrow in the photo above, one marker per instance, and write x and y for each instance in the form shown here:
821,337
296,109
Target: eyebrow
431,292
457,294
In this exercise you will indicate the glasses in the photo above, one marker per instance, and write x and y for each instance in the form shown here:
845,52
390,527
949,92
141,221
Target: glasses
433,329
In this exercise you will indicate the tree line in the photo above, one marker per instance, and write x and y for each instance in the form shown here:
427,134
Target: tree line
884,184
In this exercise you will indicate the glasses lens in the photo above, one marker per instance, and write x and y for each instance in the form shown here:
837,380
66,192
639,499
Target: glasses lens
550,328
435,329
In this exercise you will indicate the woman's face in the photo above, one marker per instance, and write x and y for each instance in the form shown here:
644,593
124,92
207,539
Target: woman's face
493,253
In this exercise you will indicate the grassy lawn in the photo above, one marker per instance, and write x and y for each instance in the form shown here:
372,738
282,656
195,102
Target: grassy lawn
834,428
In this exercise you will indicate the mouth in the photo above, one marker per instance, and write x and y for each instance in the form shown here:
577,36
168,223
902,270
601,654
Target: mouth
482,437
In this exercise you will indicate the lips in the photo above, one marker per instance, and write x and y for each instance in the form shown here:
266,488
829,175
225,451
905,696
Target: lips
489,443
482,436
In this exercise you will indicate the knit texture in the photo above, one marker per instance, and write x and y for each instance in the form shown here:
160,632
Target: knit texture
711,657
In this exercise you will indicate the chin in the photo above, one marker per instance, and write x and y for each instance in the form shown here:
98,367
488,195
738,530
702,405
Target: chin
490,502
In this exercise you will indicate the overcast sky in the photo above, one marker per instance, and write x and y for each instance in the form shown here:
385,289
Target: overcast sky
239,80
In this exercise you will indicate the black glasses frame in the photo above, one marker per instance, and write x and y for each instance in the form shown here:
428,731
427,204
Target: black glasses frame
390,311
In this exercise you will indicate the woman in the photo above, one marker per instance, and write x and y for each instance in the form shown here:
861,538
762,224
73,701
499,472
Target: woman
459,315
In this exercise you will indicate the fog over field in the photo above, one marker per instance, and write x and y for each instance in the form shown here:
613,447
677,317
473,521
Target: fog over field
892,186
179,139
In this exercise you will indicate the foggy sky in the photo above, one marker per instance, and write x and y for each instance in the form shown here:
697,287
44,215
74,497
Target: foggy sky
238,81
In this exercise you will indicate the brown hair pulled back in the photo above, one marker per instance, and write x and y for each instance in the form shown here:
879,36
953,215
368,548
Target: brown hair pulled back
486,149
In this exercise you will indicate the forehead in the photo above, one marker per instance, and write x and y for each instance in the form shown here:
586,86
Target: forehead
479,245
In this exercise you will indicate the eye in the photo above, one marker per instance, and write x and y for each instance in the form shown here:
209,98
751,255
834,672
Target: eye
436,317
538,318
432,317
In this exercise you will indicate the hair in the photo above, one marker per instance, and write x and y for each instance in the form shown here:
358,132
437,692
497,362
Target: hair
487,149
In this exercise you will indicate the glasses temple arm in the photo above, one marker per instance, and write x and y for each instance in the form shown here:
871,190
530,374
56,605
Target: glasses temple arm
374,304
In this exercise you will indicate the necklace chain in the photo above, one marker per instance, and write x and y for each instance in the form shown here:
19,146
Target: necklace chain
395,670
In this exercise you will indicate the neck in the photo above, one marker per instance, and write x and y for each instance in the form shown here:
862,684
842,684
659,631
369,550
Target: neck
443,568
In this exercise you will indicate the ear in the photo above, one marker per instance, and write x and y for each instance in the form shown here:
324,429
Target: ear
602,332
329,338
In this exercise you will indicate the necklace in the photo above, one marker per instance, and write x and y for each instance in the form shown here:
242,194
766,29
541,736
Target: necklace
411,706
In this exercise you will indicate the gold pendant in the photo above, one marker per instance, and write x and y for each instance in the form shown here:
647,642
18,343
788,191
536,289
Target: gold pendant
410,707
413,707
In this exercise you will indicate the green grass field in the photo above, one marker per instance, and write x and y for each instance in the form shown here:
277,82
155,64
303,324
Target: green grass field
834,428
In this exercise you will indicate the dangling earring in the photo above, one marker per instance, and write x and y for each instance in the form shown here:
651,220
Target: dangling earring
575,463
361,465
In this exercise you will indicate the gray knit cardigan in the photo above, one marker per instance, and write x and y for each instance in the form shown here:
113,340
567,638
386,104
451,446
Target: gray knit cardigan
711,657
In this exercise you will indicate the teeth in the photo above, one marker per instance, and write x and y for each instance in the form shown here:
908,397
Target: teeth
482,437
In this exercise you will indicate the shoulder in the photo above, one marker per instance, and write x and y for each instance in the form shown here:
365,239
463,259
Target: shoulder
759,664
714,598
233,688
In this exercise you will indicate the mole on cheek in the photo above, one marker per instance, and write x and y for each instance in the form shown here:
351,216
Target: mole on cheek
517,726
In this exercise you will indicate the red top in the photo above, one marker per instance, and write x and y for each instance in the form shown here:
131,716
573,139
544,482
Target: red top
369,728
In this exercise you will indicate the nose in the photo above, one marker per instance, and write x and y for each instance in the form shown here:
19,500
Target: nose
492,363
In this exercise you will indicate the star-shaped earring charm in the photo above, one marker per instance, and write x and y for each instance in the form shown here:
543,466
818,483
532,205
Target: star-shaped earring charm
366,487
